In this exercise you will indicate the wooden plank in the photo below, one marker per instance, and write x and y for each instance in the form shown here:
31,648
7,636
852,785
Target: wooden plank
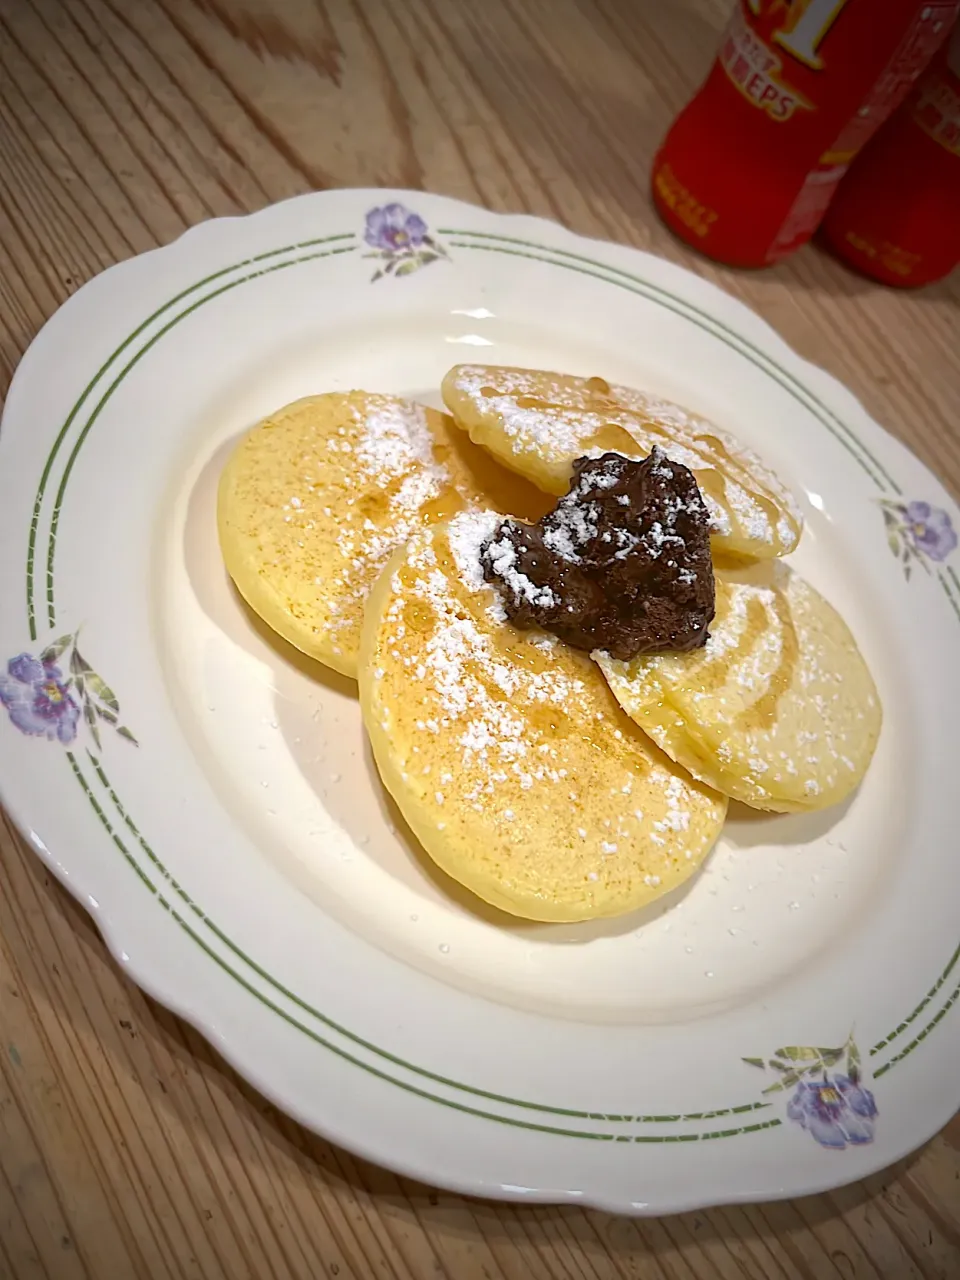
127,1147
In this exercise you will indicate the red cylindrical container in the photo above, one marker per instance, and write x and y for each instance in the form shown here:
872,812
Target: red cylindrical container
748,168
896,216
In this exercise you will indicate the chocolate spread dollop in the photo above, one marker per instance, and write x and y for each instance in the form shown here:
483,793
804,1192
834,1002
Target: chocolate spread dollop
621,564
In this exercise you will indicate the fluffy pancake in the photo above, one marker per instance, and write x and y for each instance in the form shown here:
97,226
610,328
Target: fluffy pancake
317,496
778,710
539,423
506,752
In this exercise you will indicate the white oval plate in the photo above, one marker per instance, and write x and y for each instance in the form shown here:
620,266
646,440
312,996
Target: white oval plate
239,855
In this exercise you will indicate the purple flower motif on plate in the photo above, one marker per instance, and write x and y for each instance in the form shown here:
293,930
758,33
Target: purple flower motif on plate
401,241
918,533
38,699
42,701
393,227
931,530
838,1111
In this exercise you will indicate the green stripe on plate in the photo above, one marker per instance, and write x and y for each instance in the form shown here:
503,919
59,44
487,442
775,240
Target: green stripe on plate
607,275
918,1040
184,293
379,1074
68,470
951,963
832,421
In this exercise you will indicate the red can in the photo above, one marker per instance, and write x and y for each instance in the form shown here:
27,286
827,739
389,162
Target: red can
799,86
896,216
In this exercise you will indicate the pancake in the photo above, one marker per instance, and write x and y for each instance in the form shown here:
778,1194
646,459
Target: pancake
506,752
316,498
539,423
778,710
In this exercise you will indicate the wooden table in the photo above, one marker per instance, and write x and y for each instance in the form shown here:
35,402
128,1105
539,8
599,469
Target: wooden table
127,1148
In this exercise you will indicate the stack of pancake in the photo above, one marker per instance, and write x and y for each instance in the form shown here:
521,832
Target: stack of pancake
555,784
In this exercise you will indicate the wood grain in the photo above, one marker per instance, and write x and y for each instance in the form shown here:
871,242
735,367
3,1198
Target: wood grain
127,1148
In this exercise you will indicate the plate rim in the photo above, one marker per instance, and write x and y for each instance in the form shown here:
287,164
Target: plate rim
830,386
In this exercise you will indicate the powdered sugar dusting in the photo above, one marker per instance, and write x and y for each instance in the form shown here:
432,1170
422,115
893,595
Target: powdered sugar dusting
561,418
327,488
503,562
776,696
468,674
572,526
516,716
467,535
391,451
394,436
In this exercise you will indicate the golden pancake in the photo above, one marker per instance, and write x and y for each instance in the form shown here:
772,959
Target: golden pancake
778,710
317,496
506,752
539,423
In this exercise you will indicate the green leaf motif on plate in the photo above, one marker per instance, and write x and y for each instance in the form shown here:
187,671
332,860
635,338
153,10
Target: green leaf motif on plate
100,689
42,701
837,1110
400,240
53,651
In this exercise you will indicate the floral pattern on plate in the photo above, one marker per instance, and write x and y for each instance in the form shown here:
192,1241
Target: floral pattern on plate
837,1110
44,702
400,240
918,533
